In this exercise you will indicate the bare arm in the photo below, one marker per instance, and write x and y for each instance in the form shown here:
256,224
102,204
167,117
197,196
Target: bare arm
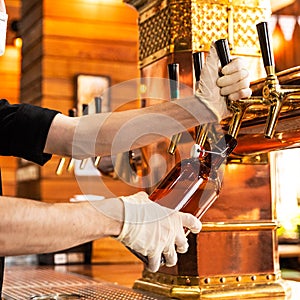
29,226
111,133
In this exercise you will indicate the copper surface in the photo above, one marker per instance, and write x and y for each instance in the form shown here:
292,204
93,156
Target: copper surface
244,251
251,138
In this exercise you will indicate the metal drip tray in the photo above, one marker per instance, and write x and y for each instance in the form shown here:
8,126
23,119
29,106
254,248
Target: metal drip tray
56,297
49,284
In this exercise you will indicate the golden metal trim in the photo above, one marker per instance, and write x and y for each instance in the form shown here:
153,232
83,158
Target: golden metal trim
192,26
159,55
230,26
156,56
239,226
142,5
243,3
238,279
256,159
152,11
270,70
239,286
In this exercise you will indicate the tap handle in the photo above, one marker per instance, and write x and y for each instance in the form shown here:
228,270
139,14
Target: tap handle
98,110
85,109
98,105
73,112
173,71
198,58
265,44
270,91
85,112
238,113
200,130
223,51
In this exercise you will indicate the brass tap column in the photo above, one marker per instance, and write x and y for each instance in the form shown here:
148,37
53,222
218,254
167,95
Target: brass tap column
235,256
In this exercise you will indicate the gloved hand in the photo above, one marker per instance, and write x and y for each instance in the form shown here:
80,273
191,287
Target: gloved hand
212,88
153,230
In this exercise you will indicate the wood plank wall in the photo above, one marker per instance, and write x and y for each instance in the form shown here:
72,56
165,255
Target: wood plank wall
61,39
9,78
10,66
74,37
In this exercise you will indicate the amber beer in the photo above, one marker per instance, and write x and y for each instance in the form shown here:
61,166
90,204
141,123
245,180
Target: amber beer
193,184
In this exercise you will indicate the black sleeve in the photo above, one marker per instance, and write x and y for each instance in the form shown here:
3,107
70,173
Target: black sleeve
23,131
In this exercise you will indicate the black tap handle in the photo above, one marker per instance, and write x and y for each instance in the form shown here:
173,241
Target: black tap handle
98,105
198,58
265,45
73,112
85,109
223,51
173,72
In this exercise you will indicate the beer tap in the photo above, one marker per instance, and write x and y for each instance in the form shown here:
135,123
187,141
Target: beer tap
59,169
72,113
98,109
200,130
274,95
60,166
173,70
85,111
238,107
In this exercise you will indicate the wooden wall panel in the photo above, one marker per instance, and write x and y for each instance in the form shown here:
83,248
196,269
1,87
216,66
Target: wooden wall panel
8,167
61,40
110,251
10,83
34,54
115,32
32,93
79,9
13,10
60,69
64,38
98,50
75,37
10,66
61,104
32,30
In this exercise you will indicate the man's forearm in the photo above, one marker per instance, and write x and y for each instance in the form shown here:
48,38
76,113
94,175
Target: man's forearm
111,133
35,227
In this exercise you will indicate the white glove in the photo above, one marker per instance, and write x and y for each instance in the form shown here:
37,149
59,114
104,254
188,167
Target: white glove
212,88
153,230
2,6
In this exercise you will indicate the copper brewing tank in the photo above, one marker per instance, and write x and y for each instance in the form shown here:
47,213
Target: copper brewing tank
236,254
